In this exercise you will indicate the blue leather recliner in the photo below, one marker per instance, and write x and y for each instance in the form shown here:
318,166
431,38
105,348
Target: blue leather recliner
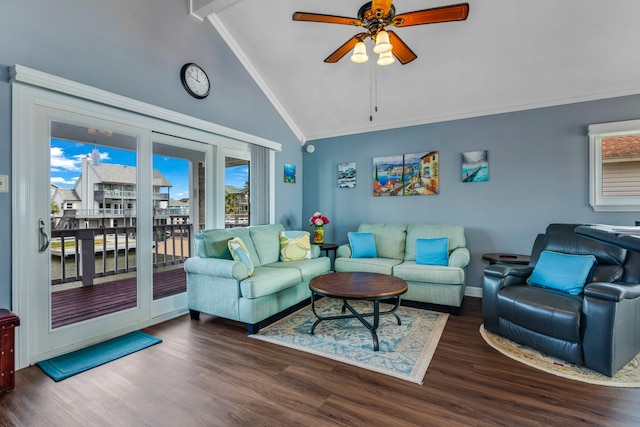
598,329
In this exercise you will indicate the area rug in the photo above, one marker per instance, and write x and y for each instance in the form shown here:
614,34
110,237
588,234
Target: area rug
405,351
628,376
61,367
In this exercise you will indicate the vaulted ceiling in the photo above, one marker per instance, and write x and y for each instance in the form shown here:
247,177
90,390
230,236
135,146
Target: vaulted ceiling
507,56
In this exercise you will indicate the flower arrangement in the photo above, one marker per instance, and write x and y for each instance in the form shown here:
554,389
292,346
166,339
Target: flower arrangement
318,220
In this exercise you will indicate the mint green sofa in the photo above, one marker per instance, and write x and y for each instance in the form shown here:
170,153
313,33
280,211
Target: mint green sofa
220,286
396,248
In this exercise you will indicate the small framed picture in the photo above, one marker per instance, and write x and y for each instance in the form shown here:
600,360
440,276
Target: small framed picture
290,173
475,166
347,175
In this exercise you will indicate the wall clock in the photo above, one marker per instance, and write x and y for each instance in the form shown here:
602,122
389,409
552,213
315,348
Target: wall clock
195,80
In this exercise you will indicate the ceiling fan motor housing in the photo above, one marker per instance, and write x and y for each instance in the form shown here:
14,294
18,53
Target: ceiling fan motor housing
375,21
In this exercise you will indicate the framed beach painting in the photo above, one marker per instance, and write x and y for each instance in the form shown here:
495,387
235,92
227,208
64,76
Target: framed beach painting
421,174
290,173
347,175
475,166
387,176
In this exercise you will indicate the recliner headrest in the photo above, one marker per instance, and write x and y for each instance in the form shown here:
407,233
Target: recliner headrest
563,238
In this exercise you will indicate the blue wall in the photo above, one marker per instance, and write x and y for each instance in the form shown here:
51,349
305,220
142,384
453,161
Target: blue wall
135,49
538,174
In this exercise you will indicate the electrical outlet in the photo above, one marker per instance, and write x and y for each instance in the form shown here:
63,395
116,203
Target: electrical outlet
4,183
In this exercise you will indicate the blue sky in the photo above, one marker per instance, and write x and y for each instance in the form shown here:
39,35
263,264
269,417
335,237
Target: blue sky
66,166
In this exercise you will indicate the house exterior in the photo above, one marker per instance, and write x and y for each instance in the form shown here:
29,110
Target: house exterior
105,196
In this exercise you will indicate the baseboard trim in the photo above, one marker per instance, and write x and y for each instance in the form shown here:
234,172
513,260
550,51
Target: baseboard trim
475,292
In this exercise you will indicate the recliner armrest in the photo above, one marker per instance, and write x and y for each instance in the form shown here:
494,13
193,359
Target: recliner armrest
500,270
612,291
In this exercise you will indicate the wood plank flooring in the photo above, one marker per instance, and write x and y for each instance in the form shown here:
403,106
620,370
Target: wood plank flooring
209,373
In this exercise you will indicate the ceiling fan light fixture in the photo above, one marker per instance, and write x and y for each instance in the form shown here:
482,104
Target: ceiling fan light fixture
382,43
386,58
359,53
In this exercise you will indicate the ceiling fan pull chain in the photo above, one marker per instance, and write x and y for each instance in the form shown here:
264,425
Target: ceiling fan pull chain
371,91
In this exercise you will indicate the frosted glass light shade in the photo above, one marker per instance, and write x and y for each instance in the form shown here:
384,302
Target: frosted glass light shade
382,43
359,53
386,59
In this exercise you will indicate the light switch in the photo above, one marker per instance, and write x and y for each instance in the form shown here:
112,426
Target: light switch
4,183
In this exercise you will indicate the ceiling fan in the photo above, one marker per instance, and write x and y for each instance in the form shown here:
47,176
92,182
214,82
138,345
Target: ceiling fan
375,16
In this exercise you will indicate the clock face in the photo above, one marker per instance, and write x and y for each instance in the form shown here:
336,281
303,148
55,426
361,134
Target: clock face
195,80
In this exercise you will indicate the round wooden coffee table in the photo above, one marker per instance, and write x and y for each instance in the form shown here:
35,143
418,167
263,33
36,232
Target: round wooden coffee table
358,286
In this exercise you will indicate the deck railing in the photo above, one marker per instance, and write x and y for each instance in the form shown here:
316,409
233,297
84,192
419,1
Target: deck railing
81,255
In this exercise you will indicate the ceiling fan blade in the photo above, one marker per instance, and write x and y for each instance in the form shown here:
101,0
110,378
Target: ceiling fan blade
456,12
328,19
400,49
383,5
345,48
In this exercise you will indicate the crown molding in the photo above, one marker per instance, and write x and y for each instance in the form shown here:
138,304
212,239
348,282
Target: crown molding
29,76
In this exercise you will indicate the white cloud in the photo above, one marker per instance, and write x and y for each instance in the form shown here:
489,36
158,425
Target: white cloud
59,180
60,162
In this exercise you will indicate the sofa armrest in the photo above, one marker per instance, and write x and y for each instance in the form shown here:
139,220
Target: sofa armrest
459,257
612,291
217,267
315,251
344,251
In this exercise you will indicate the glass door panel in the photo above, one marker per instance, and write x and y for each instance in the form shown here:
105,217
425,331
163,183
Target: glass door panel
94,198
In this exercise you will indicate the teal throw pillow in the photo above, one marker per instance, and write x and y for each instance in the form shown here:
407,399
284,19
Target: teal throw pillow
432,251
563,272
239,252
363,245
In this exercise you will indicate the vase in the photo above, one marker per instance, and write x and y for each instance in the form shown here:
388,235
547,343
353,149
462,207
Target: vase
318,235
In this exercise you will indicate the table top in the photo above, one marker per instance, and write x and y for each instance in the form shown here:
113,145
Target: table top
506,258
358,285
328,246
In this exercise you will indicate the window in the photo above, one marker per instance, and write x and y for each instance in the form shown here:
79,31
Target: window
236,192
614,157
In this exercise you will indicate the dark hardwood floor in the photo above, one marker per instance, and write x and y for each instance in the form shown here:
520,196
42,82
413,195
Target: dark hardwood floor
209,373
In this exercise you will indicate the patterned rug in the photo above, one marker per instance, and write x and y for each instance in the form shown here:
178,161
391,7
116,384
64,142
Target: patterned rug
405,350
628,376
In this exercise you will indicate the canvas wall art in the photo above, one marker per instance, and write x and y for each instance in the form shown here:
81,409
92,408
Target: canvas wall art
347,175
290,173
410,174
475,166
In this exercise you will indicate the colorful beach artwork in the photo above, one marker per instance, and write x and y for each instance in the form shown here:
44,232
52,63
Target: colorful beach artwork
290,173
347,175
475,166
406,174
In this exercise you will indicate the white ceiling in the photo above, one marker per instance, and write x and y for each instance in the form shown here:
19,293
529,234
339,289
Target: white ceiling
508,55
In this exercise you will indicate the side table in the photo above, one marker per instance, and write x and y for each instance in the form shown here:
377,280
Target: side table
329,247
502,258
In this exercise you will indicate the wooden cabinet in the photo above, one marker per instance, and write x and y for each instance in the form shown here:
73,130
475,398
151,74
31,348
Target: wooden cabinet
8,323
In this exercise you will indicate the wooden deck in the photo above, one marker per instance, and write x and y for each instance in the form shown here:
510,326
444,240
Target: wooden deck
83,303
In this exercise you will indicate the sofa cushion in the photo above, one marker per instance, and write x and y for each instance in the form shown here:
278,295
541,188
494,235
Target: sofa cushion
267,281
455,233
432,251
294,245
369,265
212,244
410,271
563,272
363,245
309,268
266,241
548,312
390,239
239,252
